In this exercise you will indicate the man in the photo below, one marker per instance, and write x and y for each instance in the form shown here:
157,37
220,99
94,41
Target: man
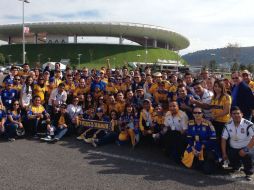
8,95
57,97
25,71
183,101
242,95
98,83
240,133
10,77
247,78
204,96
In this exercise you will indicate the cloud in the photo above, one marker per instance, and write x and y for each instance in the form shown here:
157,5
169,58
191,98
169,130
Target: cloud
207,24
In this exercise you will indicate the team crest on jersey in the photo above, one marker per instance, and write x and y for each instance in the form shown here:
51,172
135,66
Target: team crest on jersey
242,130
203,128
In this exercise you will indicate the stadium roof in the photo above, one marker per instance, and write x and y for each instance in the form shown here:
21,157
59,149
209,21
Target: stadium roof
139,33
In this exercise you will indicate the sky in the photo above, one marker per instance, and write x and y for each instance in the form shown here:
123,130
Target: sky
207,24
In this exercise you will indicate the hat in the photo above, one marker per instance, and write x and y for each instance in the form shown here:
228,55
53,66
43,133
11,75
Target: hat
63,105
245,72
102,71
99,110
140,88
157,74
147,100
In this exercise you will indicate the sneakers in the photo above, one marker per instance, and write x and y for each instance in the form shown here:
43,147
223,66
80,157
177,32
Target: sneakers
11,139
81,137
94,142
54,140
249,177
47,138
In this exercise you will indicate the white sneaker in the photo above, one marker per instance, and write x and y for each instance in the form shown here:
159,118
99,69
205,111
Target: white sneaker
11,139
81,137
88,140
94,142
47,138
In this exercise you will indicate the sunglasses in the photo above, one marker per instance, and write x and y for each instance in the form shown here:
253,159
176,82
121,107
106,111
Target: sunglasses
197,113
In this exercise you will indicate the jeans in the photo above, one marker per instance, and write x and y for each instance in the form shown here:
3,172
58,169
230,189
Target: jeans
60,132
10,131
108,138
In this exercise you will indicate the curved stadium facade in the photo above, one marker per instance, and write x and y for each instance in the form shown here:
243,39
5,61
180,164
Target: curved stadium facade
59,32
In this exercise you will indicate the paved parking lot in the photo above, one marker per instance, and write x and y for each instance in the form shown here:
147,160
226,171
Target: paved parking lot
70,164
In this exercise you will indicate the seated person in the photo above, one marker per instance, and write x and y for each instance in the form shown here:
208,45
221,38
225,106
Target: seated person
60,125
38,120
202,149
111,135
2,120
13,121
129,126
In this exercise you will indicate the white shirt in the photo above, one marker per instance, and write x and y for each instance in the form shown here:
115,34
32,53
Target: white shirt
207,98
26,98
74,111
178,122
238,136
57,98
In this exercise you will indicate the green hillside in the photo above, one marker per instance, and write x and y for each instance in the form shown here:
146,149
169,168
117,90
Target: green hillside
93,55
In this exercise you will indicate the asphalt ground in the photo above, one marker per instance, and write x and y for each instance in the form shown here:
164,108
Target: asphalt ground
71,164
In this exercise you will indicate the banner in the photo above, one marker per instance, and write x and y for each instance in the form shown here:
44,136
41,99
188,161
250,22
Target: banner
26,30
94,124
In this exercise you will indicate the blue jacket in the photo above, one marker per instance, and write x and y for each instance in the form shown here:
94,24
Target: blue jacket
244,99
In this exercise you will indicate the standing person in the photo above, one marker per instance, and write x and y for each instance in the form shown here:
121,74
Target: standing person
13,121
242,95
11,75
202,149
8,95
204,97
247,79
57,97
26,94
174,132
40,89
240,133
2,120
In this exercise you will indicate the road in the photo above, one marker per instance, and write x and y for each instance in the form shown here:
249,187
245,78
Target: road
70,164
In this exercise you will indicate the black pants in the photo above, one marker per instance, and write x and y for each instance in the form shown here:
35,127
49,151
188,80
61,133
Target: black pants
175,144
208,165
236,160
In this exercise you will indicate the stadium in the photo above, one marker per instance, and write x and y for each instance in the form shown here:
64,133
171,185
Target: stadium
50,41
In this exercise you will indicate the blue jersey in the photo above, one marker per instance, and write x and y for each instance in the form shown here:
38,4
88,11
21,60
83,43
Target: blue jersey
8,97
203,134
2,115
14,117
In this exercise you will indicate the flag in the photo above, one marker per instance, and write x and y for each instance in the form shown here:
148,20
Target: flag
26,30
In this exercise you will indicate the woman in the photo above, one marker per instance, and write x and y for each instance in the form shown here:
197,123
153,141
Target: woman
101,104
40,89
26,94
89,102
110,135
202,150
38,120
129,125
75,111
13,121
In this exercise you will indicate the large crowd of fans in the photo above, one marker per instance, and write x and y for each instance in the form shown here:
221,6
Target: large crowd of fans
198,121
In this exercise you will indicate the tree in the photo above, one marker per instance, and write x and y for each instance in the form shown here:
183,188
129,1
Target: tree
212,65
242,67
2,59
250,68
235,67
231,52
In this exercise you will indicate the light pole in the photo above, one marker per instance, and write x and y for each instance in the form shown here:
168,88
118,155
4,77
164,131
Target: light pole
9,58
146,52
49,59
23,29
79,55
39,58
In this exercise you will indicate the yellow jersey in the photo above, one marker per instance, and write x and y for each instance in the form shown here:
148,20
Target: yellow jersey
220,104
